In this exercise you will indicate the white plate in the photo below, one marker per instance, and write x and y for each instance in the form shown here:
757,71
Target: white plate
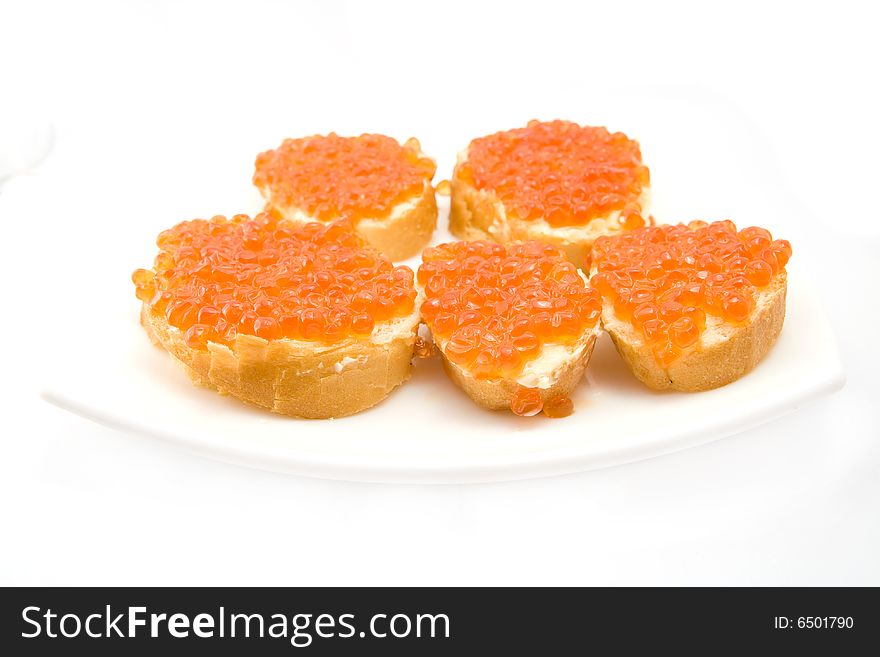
704,164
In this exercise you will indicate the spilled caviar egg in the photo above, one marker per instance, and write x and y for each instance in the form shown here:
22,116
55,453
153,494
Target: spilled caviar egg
145,284
558,406
423,348
492,307
272,279
670,281
332,177
526,402
561,172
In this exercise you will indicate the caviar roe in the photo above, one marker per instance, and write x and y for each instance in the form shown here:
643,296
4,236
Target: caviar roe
558,406
665,280
331,177
423,348
272,279
526,402
493,306
562,172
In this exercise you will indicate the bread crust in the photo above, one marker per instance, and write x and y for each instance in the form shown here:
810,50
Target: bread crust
480,215
401,235
726,355
497,394
299,379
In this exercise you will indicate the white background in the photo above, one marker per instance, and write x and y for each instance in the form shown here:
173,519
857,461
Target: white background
795,502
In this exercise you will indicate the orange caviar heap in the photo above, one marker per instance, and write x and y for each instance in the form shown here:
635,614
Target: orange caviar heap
559,171
494,306
666,279
343,177
220,278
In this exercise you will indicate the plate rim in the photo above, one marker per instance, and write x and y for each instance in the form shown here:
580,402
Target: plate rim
556,462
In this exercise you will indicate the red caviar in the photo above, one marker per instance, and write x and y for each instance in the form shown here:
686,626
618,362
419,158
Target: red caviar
331,177
494,306
423,348
558,406
526,402
272,279
665,280
562,172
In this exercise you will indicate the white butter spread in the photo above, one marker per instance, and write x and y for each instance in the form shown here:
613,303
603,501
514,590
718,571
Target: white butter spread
544,371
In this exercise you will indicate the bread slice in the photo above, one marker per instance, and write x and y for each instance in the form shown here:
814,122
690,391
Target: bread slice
555,371
723,354
508,317
304,321
298,378
315,166
478,215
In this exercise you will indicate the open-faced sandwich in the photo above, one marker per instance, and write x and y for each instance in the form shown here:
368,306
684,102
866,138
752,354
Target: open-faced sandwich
557,182
383,188
301,319
515,324
691,307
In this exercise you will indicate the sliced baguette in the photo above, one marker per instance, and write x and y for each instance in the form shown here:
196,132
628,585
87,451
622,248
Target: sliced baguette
478,215
298,378
723,354
399,234
554,370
